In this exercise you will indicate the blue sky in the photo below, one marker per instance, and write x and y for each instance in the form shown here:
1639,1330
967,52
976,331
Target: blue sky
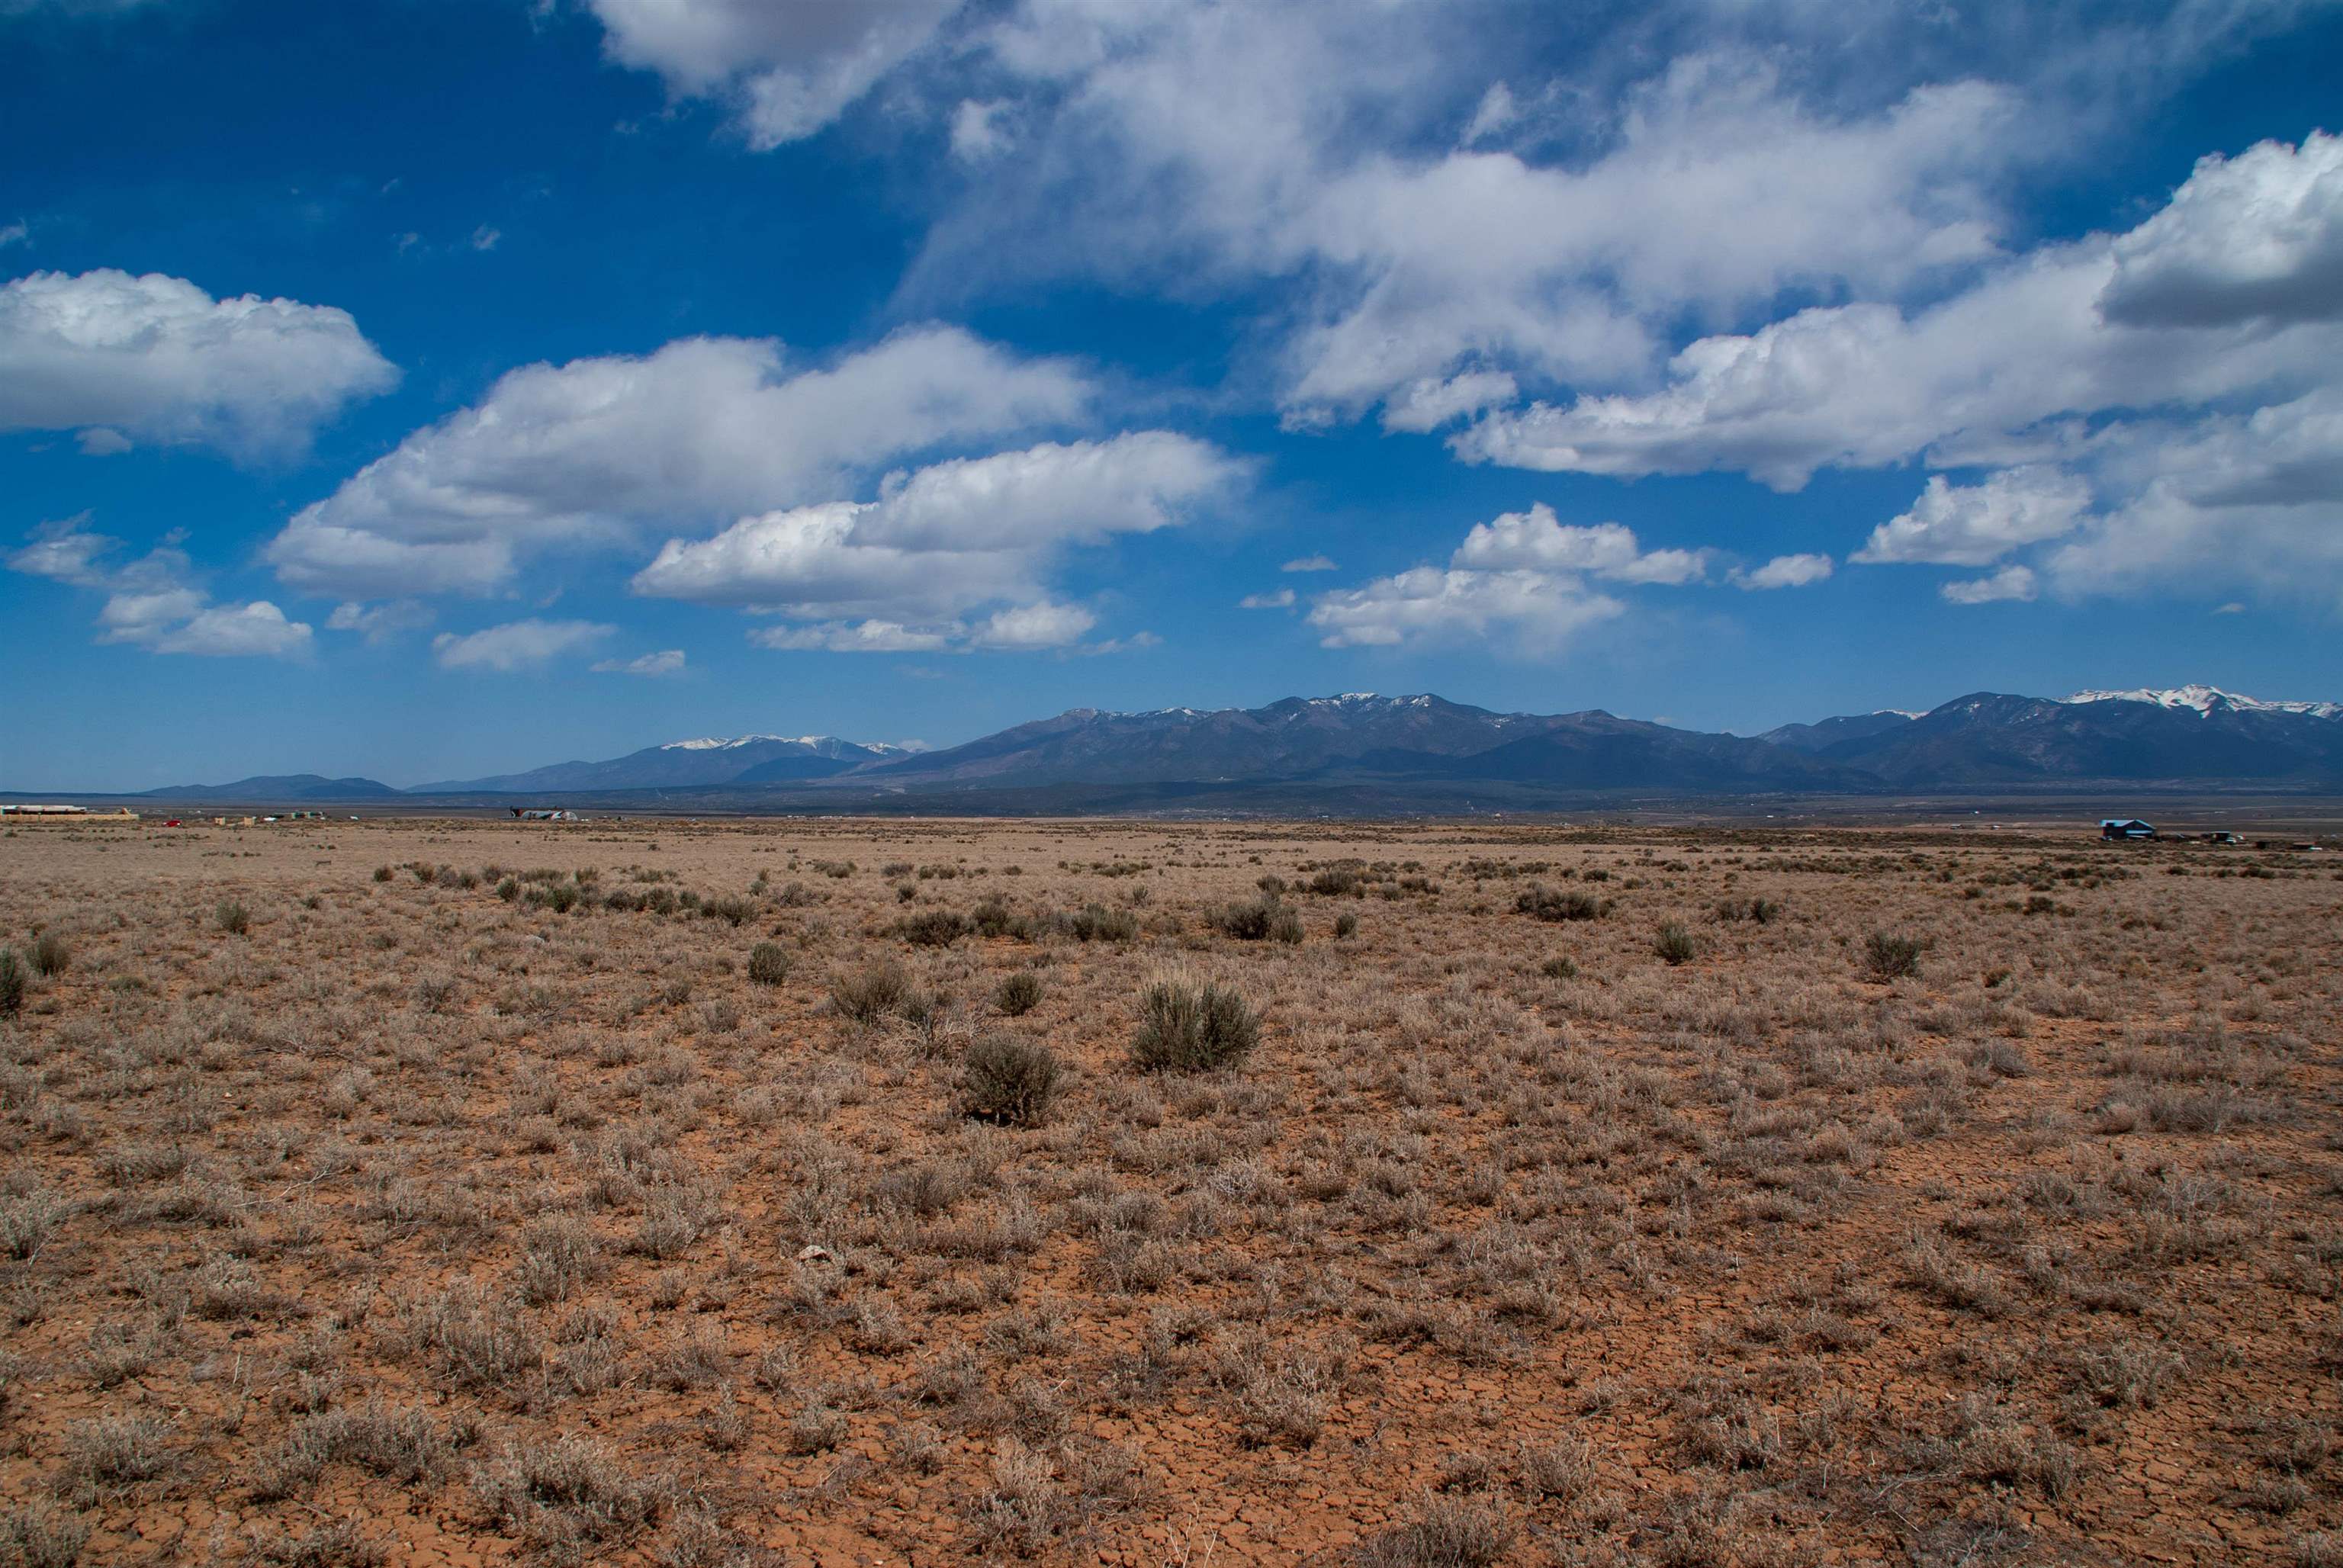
422,388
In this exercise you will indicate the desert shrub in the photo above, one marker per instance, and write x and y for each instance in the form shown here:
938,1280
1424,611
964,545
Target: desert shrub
559,897
1018,994
509,889
1675,944
384,873
1547,903
1285,926
1888,955
933,927
768,963
1336,882
733,909
50,954
1562,966
12,982
1008,1080
872,993
232,918
1761,910
1097,923
1252,921
1346,925
1184,1028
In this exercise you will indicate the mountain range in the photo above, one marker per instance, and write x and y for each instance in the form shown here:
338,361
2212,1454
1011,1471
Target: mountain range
1362,752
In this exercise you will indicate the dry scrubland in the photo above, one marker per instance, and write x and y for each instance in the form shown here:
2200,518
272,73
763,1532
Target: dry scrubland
418,1215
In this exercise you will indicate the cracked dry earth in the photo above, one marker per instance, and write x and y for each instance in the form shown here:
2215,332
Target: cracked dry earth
655,1192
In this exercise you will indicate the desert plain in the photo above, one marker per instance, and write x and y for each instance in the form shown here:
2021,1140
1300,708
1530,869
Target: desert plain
1438,1193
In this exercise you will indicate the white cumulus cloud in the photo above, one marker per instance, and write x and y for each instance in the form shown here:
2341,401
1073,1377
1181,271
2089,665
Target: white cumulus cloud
1785,572
2258,236
1972,524
153,601
1536,540
515,645
667,661
1535,610
942,540
787,67
585,454
157,358
2011,582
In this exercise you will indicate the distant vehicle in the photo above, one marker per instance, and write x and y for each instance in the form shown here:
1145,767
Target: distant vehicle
2126,829
2221,838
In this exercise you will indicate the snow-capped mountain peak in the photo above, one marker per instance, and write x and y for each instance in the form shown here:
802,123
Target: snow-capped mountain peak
2204,699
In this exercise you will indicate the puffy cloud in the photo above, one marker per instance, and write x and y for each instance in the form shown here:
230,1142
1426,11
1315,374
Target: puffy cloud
1972,525
1865,385
159,358
1535,609
2255,238
667,661
2011,582
1784,572
1281,600
515,645
1427,404
1436,226
1034,626
1527,581
2252,500
856,636
584,454
1535,540
787,69
977,132
1570,273
65,552
946,539
152,602
381,622
258,629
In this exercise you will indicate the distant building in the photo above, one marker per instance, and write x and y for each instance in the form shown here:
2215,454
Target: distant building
545,814
2223,838
32,810
2127,828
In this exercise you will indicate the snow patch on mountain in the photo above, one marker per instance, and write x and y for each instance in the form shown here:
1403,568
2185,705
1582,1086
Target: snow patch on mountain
2204,699
814,742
